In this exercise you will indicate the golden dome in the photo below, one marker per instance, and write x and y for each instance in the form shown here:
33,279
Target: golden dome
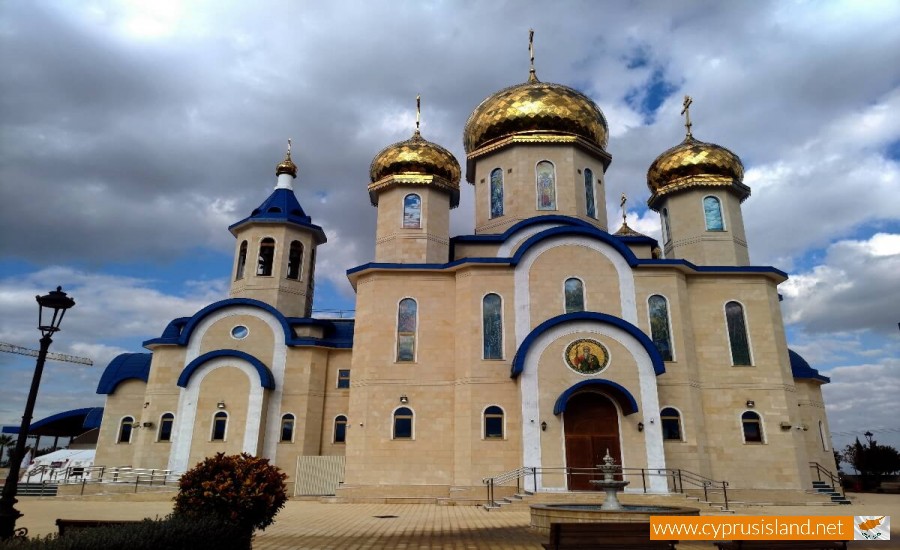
532,108
287,166
694,163
415,161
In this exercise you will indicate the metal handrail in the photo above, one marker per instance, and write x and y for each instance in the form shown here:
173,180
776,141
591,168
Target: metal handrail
835,480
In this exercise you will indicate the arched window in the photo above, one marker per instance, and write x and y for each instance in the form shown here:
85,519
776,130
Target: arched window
546,185
667,232
125,427
822,436
712,211
407,312
242,261
493,422
295,260
220,425
340,429
589,193
266,257
752,426
737,334
574,292
492,326
671,423
165,427
496,192
660,331
403,423
287,428
412,211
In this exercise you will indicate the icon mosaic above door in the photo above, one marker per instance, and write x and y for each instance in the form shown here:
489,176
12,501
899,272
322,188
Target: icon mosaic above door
587,356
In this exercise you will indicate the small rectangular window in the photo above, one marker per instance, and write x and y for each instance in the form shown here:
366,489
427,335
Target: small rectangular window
343,380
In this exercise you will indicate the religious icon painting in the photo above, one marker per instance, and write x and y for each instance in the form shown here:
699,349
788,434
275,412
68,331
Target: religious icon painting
546,186
412,211
587,356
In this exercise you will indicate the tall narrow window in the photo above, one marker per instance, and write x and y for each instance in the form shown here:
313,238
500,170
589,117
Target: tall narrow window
266,257
403,423
589,193
295,260
822,436
492,324
574,291
752,426
125,427
242,261
667,232
220,424
406,329
340,429
287,428
712,211
412,211
671,423
737,334
493,422
660,331
546,186
165,427
496,192
343,380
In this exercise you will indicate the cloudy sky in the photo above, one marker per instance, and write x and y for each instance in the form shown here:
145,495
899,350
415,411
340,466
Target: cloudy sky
132,133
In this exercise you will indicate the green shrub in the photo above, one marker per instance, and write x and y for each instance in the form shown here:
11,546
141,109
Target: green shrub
171,533
239,489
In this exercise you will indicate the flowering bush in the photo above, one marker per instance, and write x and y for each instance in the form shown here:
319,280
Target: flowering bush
239,489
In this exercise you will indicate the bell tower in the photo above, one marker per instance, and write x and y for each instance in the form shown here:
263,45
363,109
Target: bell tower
275,252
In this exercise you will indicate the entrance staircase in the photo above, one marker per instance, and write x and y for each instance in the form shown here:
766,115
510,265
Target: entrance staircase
824,488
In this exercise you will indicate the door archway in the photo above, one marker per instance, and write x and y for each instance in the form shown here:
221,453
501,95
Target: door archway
591,427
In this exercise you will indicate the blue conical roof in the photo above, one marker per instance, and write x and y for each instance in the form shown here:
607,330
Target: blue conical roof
281,206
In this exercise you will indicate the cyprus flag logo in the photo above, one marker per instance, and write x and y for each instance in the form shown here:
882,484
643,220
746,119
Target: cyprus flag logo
872,528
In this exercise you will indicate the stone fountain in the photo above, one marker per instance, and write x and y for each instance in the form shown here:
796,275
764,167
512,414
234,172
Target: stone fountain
609,483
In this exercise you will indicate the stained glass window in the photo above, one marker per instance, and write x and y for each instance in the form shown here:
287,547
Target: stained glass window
340,429
403,423
667,232
737,334
242,261
496,192
406,329
492,322
546,186
165,427
295,259
712,210
671,423
589,193
412,211
125,427
287,428
752,426
493,422
266,257
574,291
660,331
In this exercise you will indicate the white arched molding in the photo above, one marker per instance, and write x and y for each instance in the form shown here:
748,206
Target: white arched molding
187,410
648,403
279,357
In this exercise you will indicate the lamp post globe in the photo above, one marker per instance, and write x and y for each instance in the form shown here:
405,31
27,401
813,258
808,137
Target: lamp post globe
51,309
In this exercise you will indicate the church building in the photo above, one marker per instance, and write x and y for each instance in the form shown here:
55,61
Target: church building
543,339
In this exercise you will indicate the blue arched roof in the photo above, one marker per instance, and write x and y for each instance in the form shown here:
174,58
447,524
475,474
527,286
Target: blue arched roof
266,379
126,366
801,369
519,361
65,424
618,392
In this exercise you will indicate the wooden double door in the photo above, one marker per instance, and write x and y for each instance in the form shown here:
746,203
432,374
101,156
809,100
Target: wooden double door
592,427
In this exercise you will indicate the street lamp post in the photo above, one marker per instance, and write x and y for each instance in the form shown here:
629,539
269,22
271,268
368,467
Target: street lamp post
58,302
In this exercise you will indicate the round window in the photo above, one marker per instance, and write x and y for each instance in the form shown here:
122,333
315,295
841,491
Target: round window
240,332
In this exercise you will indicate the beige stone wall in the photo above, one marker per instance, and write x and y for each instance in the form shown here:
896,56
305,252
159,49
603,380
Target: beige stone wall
813,425
427,244
689,239
519,190
126,400
232,386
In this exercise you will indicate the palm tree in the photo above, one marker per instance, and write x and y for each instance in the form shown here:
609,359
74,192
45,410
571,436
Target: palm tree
6,441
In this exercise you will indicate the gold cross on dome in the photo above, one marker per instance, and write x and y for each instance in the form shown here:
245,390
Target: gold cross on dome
532,76
418,111
686,111
289,148
622,202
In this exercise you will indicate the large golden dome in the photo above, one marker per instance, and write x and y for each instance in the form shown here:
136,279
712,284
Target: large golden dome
694,163
536,107
415,161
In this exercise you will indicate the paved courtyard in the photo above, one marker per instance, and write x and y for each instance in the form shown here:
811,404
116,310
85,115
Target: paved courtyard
315,525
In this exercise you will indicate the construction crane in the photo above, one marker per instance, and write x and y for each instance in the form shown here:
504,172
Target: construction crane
10,348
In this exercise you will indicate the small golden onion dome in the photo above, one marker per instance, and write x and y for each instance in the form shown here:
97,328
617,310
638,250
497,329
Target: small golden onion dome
694,163
532,108
415,156
626,231
286,166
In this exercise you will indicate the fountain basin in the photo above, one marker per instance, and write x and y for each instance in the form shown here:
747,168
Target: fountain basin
542,515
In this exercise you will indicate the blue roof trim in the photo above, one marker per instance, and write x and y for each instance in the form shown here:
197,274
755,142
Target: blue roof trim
92,416
266,379
188,328
519,360
801,369
576,231
282,206
127,366
502,237
623,396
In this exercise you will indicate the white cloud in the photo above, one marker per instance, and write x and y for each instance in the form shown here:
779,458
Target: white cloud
863,397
